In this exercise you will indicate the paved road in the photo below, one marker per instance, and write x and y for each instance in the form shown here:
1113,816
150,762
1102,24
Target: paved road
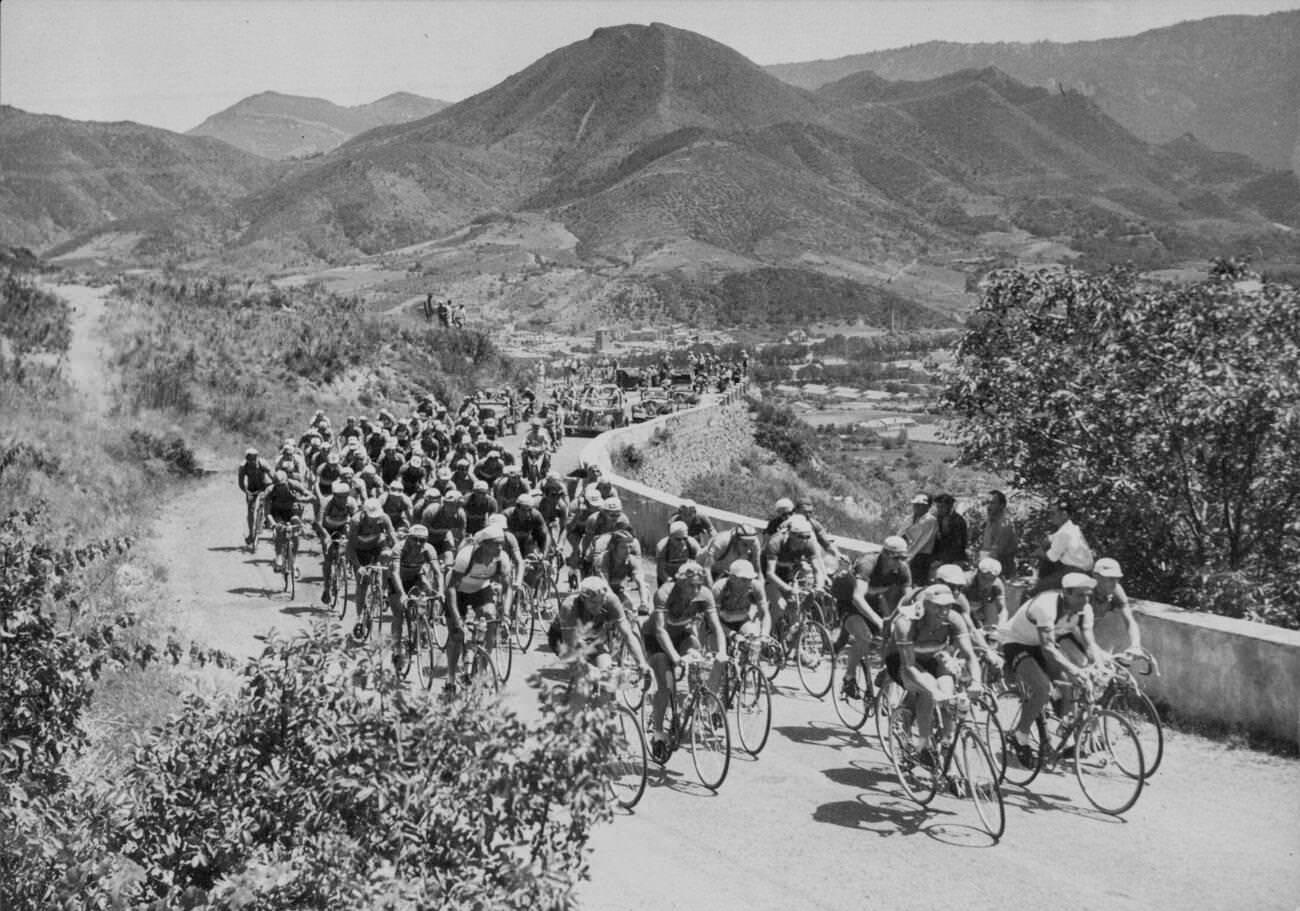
817,821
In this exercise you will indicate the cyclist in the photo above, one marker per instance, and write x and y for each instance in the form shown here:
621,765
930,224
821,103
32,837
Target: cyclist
397,506
698,526
1032,653
335,517
413,476
781,512
587,621
742,602
478,506
370,481
479,563
987,595
391,461
791,547
805,508
254,478
859,621
616,560
445,520
537,449
671,631
509,486
461,478
674,550
890,578
1109,595
554,505
371,540
418,572
526,525
284,505
490,467
726,547
918,656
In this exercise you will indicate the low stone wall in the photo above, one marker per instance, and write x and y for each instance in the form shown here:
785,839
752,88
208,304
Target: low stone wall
1231,672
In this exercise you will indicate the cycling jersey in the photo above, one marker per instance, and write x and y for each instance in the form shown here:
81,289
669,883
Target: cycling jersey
1044,611
528,528
478,506
785,553
593,623
509,489
370,532
726,548
615,558
477,572
412,560
254,477
335,514
928,635
673,552
682,602
736,602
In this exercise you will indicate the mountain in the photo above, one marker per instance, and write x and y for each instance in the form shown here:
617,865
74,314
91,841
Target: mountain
1231,81
280,126
59,178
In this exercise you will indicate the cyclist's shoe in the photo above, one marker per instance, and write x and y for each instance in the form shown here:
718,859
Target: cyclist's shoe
276,565
1023,752
926,758
658,748
359,632
325,597
850,689
297,574
399,659
717,720
248,540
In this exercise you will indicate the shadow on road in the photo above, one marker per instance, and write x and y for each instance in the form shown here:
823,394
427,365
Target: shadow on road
823,733
318,610
252,590
880,814
1031,801
227,549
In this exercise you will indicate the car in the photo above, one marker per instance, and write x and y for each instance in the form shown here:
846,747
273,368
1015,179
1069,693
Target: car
497,405
652,404
598,408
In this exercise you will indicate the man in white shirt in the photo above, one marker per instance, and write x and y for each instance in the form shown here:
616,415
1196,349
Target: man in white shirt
919,535
1067,550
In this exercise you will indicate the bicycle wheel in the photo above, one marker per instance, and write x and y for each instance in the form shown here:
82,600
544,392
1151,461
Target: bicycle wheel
710,740
813,658
1141,712
1015,769
1108,761
980,780
339,578
823,609
425,657
852,691
888,698
753,705
290,583
918,780
523,619
984,715
631,696
771,657
502,648
259,519
629,766
372,615
438,620
479,680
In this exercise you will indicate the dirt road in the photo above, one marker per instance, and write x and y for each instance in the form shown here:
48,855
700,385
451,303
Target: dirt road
817,821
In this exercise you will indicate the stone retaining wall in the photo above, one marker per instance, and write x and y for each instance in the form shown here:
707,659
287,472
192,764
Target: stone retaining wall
1230,672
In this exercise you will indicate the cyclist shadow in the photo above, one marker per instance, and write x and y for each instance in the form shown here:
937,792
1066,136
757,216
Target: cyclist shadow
250,590
315,610
658,776
835,736
883,808
229,549
1028,800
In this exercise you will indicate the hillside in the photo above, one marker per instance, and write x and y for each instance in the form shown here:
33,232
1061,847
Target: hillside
278,126
1231,81
64,177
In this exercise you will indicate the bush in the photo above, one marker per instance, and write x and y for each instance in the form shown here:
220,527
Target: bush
778,429
325,784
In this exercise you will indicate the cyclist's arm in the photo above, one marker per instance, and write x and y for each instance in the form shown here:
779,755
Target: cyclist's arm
864,609
1047,642
719,634
965,646
1130,619
352,546
908,670
760,601
633,643
659,629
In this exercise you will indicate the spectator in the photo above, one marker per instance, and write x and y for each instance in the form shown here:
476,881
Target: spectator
919,534
1066,550
950,535
999,539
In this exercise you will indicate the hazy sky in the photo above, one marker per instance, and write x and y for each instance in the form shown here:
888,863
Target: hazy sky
171,63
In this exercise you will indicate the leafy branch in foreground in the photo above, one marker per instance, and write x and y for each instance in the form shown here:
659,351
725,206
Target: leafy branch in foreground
1170,414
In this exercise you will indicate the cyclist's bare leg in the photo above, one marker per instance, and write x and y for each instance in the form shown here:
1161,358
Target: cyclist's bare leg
1038,690
855,625
664,683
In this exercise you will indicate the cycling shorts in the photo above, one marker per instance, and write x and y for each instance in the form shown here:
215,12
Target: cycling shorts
1013,653
930,664
283,513
682,638
473,600
368,557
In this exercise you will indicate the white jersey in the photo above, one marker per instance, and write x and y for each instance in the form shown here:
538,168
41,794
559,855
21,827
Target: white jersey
1044,611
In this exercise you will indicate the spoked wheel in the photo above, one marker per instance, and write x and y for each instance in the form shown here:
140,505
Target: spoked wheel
373,615
629,766
426,655
753,707
978,777
1141,712
479,680
523,621
290,583
502,647
631,696
771,657
710,741
438,621
852,691
339,586
813,658
1108,762
1019,766
918,779
888,698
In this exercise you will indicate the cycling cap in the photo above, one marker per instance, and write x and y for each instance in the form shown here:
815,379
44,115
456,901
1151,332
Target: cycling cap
369,469
373,508
444,474
338,487
896,544
250,453
332,458
419,532
743,569
491,533
950,574
690,570
921,500
498,519
347,473
613,504
938,594
688,504
494,454
451,496
799,525
281,475
480,486
592,496
592,585
461,463
1107,567
677,530
1078,580
785,504
513,470
524,499
395,485
991,566
433,493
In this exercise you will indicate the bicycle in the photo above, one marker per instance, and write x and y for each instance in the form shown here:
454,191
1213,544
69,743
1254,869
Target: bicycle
340,574
1102,745
286,536
805,637
476,675
421,649
1121,693
747,690
966,767
526,610
370,611
702,723
628,770
853,689
259,519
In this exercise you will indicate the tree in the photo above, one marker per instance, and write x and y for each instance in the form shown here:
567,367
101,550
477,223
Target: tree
1171,414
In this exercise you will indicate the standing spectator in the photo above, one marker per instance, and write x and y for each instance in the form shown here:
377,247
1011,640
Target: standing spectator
999,539
950,536
1066,550
919,534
